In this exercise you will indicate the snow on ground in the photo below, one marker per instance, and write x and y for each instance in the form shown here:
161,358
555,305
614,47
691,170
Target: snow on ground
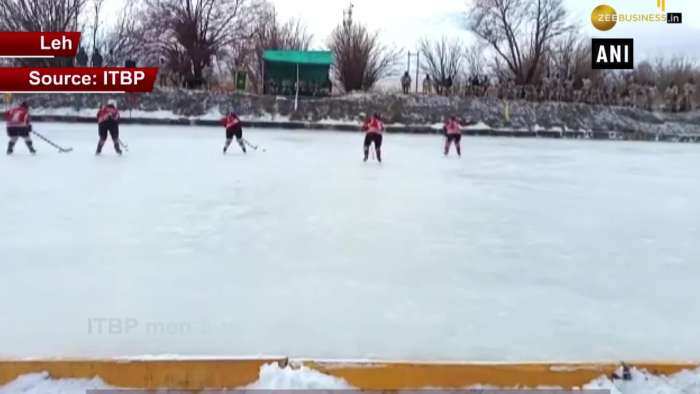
41,383
642,382
212,114
272,377
525,249
477,126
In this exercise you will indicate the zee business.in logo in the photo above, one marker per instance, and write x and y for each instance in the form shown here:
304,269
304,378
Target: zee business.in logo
605,17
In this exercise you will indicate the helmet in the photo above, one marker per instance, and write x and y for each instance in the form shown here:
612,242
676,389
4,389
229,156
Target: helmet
112,103
24,104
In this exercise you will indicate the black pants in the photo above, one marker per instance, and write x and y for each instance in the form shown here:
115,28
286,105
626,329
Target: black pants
19,132
14,132
375,138
456,138
235,131
110,127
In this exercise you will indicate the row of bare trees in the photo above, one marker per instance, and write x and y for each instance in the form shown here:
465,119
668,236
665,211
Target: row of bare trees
193,41
35,15
202,42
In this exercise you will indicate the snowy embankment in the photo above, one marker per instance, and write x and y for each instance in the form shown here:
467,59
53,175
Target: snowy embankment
273,377
270,120
488,115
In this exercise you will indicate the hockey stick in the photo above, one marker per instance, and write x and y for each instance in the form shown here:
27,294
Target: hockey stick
123,145
48,141
253,146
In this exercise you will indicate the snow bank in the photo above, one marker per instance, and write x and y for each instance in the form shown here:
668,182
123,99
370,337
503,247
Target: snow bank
40,383
642,382
273,377
214,114
478,126
396,109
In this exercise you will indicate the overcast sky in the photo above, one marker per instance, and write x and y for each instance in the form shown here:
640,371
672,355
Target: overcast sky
403,23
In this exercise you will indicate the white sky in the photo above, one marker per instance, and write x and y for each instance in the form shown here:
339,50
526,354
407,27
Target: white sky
404,22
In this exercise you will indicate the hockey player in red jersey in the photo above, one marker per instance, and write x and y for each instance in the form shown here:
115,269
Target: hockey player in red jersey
233,128
373,128
108,122
453,133
19,125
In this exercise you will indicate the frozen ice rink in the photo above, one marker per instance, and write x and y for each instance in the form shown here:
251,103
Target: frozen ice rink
522,250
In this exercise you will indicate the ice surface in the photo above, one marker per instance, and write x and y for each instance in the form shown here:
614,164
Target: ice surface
525,249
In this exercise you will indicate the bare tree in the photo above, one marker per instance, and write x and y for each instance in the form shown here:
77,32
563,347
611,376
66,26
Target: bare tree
443,60
41,15
360,58
675,71
123,42
519,31
569,58
184,35
97,10
474,61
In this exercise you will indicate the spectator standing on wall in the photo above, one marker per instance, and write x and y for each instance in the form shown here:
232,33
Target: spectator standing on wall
406,83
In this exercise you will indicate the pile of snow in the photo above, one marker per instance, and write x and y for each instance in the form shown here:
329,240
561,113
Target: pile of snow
274,377
65,111
477,126
41,383
642,382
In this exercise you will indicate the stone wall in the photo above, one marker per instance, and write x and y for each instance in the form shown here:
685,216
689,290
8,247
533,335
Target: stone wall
396,109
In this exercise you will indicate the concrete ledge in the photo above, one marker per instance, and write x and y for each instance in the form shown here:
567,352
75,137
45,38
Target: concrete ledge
146,374
366,375
378,376
408,129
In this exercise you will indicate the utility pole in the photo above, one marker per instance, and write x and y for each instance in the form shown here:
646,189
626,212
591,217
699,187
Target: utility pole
415,54
417,70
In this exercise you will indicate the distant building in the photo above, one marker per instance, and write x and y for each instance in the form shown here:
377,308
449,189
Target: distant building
284,69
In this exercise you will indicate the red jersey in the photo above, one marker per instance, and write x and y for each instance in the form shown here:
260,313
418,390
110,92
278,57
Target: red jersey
453,127
373,125
231,120
107,113
17,117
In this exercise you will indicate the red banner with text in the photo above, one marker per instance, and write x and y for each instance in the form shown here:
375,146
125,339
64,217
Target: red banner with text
39,44
75,80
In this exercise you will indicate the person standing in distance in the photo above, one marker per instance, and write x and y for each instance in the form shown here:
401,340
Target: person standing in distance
19,125
373,128
233,128
453,133
108,122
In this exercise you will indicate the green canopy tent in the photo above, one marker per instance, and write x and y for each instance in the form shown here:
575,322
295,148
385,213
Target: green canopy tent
303,73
